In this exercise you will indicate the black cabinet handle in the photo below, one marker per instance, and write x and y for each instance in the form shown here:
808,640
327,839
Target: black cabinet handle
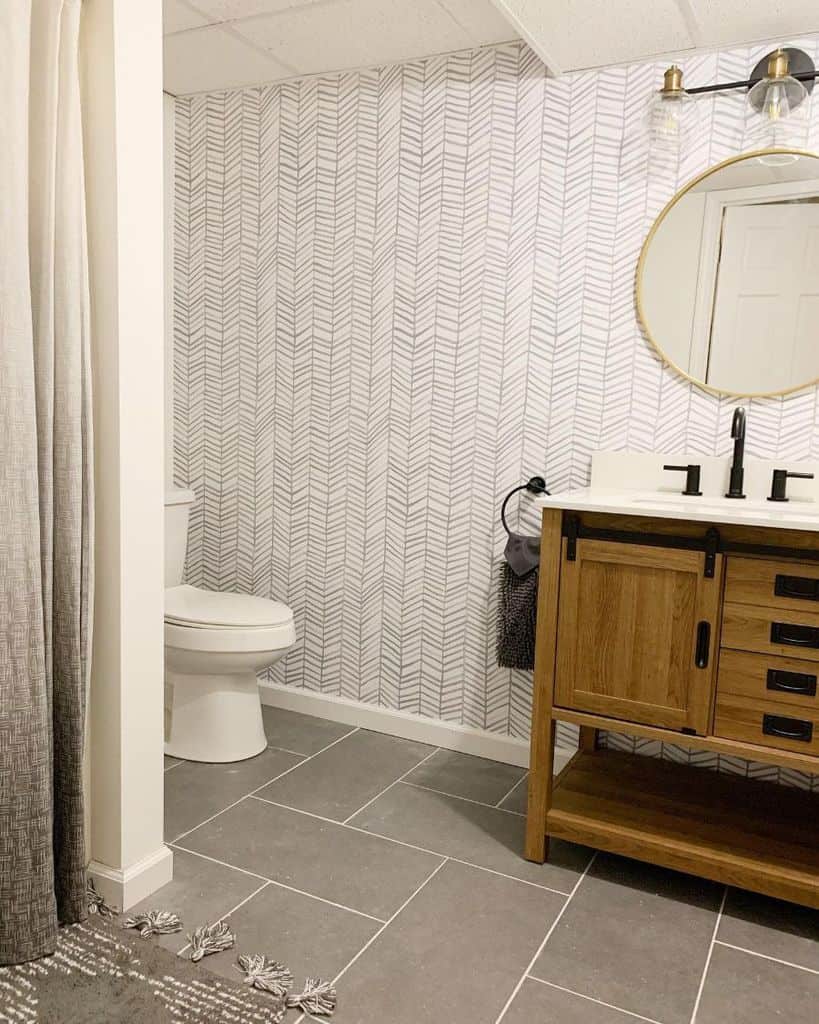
703,644
793,635
791,682
787,728
802,587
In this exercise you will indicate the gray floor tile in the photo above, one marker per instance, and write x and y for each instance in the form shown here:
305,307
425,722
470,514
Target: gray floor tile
634,936
745,989
453,954
475,778
200,892
484,836
764,925
338,781
537,1003
170,762
319,857
312,938
303,734
516,801
194,791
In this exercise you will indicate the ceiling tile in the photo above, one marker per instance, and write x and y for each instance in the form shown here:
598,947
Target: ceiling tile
230,10
214,58
573,34
740,21
178,16
356,33
483,22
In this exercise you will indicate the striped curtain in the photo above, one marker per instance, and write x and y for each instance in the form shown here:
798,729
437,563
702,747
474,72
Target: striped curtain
45,477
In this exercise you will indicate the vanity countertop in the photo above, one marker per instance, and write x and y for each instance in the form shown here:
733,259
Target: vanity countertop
792,515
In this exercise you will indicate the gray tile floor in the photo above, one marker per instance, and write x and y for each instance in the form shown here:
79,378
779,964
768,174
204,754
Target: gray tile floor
395,868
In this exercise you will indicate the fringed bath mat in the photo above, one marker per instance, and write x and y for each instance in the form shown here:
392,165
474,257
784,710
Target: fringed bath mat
102,974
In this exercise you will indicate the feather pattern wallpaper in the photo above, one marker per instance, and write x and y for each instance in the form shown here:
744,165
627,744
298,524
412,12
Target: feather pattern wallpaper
400,292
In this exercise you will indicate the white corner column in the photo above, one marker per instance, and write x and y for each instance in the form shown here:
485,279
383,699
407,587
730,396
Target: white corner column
122,111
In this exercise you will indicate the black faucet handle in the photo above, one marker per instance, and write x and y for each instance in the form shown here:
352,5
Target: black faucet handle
779,483
692,478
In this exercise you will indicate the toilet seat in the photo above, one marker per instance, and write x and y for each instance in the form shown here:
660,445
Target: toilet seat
210,620
215,609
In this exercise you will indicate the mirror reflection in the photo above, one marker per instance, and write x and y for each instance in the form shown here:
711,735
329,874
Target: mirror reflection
728,280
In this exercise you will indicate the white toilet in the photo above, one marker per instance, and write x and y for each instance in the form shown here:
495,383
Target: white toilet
215,643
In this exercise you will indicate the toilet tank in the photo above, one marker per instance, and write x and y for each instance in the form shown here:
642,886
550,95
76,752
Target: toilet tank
177,507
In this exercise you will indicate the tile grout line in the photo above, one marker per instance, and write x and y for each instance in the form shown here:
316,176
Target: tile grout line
386,925
292,768
228,913
388,788
592,999
171,767
410,846
707,964
280,885
511,791
548,935
455,796
766,956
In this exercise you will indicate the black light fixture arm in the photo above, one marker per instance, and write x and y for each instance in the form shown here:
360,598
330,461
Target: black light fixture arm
800,76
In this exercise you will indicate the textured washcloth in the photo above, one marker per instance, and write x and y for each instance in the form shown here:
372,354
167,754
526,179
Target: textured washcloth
517,615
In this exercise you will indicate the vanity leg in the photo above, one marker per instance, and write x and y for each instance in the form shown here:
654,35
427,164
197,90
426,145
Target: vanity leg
540,795
588,739
542,748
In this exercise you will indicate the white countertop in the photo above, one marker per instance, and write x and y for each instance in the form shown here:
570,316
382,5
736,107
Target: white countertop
635,483
791,515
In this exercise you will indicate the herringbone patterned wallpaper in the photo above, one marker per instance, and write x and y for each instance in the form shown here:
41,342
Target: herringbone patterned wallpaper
400,292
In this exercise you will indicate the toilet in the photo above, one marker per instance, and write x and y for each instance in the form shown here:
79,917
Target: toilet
215,643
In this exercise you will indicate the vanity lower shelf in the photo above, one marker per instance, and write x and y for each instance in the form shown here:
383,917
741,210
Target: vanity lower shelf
742,832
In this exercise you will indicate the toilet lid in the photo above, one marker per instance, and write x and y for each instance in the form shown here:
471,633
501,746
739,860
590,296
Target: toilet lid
190,606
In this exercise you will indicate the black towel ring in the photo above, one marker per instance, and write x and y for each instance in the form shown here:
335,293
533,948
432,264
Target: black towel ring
534,485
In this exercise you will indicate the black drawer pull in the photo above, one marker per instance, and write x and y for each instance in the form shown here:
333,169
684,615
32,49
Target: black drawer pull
792,682
703,644
794,635
787,728
802,587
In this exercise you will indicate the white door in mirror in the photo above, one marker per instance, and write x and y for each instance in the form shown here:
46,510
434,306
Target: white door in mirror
767,297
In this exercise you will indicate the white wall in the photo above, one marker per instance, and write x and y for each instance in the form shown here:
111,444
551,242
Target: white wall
122,102
169,158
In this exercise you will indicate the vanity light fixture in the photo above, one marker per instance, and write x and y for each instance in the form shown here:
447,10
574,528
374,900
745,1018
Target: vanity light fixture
671,113
777,113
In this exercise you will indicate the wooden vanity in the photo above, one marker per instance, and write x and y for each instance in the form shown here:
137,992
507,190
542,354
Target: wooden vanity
703,635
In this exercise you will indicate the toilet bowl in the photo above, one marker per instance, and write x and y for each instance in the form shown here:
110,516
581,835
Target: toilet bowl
215,643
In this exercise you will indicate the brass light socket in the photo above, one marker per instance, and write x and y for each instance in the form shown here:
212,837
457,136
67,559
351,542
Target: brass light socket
778,64
673,81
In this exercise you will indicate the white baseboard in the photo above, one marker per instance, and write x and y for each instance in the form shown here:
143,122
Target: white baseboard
507,749
123,887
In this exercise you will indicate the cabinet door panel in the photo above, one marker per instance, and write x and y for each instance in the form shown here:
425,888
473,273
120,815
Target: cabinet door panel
632,628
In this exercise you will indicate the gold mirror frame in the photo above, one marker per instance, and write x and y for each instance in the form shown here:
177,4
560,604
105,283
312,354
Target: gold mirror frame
720,392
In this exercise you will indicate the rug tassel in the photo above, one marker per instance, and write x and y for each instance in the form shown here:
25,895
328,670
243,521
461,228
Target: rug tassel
210,938
318,998
96,902
155,922
267,975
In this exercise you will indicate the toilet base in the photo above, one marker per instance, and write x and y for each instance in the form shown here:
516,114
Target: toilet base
213,718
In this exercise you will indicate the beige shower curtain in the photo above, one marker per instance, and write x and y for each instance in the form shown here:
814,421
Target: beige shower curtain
45,477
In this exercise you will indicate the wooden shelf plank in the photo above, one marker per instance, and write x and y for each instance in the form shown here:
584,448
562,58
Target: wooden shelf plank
731,748
751,834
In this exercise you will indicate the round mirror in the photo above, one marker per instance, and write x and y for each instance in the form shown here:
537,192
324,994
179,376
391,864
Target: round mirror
728,277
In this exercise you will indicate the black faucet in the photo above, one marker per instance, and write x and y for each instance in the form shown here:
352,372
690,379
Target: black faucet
737,469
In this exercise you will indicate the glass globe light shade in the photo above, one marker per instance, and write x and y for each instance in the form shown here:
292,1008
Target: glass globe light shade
672,119
777,111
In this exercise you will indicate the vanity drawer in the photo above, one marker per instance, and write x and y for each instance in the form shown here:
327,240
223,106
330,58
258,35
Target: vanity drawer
780,585
765,677
782,632
767,723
